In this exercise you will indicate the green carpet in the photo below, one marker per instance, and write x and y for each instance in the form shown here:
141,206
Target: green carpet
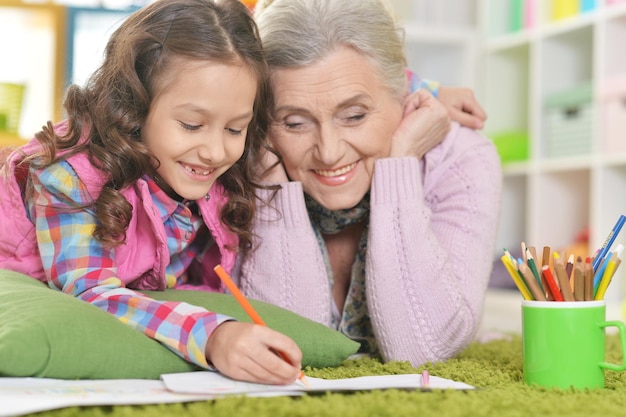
494,367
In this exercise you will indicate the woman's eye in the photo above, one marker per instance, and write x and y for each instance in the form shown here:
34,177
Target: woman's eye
189,127
355,117
294,123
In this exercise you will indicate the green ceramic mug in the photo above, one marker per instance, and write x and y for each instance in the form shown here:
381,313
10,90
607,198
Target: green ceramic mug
564,343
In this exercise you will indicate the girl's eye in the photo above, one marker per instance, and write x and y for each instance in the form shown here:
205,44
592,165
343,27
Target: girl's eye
234,132
189,127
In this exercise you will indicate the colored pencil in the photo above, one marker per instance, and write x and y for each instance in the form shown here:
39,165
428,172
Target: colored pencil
606,279
554,289
579,284
245,304
569,268
530,260
588,275
599,273
606,247
537,292
561,276
521,286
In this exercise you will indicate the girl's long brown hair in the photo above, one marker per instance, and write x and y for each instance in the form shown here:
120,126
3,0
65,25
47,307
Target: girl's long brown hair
115,101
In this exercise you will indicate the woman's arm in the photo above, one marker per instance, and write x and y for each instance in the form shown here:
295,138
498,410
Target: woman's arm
430,248
460,102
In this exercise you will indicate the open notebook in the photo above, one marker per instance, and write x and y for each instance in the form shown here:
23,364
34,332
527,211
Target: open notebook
205,382
21,396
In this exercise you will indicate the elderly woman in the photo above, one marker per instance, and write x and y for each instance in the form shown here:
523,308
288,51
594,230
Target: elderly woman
377,229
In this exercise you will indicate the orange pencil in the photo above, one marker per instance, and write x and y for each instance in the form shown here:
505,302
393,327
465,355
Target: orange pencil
245,304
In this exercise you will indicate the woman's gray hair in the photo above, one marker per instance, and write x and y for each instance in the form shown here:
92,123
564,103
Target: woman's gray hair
296,33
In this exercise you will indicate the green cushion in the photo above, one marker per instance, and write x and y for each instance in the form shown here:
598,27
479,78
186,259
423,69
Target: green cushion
46,333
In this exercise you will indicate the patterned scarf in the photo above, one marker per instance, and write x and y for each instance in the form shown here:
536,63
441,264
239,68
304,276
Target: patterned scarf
355,321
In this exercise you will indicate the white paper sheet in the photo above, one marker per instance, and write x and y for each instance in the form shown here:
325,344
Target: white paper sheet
214,383
20,396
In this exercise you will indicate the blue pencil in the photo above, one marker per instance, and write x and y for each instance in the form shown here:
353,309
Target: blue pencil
608,242
597,277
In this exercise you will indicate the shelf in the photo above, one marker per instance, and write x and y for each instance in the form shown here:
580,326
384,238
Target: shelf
549,80
441,39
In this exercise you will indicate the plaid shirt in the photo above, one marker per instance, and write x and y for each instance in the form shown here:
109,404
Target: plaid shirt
416,83
78,264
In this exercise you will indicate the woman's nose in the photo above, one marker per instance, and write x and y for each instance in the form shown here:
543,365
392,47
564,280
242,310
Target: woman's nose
329,144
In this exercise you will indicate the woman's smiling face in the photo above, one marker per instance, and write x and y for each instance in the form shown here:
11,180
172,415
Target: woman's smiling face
333,120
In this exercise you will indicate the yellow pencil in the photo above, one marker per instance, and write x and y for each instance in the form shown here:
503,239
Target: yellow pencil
508,264
606,279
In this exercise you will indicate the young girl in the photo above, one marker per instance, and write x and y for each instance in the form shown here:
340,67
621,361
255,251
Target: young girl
147,184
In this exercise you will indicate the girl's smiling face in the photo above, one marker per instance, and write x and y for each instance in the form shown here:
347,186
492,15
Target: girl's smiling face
333,119
197,124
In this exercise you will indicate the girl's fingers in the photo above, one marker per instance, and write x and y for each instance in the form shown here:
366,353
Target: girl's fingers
248,352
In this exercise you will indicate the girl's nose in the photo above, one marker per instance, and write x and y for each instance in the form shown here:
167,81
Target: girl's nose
211,149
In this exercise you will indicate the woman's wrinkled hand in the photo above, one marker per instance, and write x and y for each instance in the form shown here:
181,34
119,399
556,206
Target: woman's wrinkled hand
462,106
425,124
271,169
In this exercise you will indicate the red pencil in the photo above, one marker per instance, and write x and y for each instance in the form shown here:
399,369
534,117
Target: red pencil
554,289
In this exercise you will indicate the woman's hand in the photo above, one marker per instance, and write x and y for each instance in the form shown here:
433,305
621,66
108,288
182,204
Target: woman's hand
462,106
271,169
424,124
247,352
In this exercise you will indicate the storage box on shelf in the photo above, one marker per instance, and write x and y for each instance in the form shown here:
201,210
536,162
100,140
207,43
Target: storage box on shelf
569,122
613,99
556,80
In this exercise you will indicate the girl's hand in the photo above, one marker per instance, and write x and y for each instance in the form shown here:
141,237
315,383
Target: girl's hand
247,352
424,125
462,106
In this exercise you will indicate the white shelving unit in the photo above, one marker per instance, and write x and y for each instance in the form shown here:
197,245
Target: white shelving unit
441,40
552,197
